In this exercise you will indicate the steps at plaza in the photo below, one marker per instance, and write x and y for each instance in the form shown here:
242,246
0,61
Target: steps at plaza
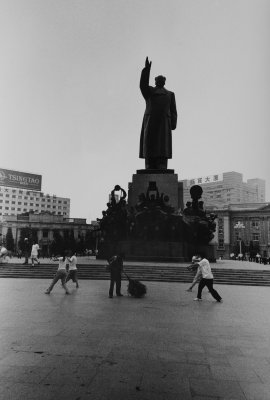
153,273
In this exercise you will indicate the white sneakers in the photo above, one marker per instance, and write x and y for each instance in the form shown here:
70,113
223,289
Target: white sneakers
197,299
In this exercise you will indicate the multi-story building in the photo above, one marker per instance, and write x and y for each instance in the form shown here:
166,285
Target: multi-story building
245,223
43,227
20,192
228,188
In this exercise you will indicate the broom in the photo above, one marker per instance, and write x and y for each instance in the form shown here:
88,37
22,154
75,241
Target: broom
135,288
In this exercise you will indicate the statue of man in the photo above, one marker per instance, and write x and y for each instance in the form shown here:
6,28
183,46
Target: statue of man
159,120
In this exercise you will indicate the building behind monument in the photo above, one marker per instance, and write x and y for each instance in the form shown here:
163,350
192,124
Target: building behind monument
25,211
227,188
20,192
243,223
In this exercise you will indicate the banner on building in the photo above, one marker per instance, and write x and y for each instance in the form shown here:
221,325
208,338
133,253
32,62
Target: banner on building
20,179
205,179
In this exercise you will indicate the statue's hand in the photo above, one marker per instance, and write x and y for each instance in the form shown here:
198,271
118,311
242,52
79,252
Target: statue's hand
148,63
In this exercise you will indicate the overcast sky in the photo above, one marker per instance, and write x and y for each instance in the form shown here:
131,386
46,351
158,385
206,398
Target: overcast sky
70,104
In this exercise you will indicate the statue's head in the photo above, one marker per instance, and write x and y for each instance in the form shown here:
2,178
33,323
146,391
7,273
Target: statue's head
160,80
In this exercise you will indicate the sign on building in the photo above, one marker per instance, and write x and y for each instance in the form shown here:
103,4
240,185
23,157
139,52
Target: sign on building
20,179
205,179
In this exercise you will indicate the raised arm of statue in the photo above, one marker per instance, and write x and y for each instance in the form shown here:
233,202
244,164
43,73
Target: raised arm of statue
145,75
148,63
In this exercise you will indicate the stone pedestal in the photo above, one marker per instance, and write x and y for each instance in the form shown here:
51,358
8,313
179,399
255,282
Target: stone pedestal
166,182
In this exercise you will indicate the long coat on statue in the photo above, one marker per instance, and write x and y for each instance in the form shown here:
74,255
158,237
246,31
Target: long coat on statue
159,119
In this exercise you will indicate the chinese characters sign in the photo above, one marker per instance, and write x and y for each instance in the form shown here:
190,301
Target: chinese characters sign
205,179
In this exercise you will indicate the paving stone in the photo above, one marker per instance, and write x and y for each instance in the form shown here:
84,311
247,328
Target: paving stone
162,347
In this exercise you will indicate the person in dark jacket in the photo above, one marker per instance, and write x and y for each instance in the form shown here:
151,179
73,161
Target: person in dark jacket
115,267
27,250
160,118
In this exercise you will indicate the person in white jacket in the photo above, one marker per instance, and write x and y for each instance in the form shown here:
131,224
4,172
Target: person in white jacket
207,279
34,254
72,270
61,273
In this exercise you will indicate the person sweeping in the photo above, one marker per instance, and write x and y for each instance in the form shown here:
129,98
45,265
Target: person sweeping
115,268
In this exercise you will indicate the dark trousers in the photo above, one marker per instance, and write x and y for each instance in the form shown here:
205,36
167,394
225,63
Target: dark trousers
117,281
209,283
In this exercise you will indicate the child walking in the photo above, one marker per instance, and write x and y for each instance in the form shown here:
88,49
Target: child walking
61,273
72,271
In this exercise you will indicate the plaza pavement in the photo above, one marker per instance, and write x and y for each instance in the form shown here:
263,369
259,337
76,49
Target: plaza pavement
164,346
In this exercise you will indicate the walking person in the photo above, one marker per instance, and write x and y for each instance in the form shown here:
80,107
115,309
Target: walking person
115,267
61,273
26,250
3,252
192,267
72,270
34,253
207,280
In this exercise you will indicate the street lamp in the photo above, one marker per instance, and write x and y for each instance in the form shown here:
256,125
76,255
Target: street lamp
239,226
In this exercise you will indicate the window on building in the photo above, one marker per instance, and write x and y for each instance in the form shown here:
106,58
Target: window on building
25,198
14,191
19,197
59,201
1,194
13,196
18,209
20,191
6,208
13,202
42,205
255,224
6,201
31,204
65,202
25,204
7,195
31,198
43,199
19,202
45,233
221,243
13,208
255,236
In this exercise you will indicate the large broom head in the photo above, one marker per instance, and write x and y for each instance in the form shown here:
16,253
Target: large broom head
136,288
